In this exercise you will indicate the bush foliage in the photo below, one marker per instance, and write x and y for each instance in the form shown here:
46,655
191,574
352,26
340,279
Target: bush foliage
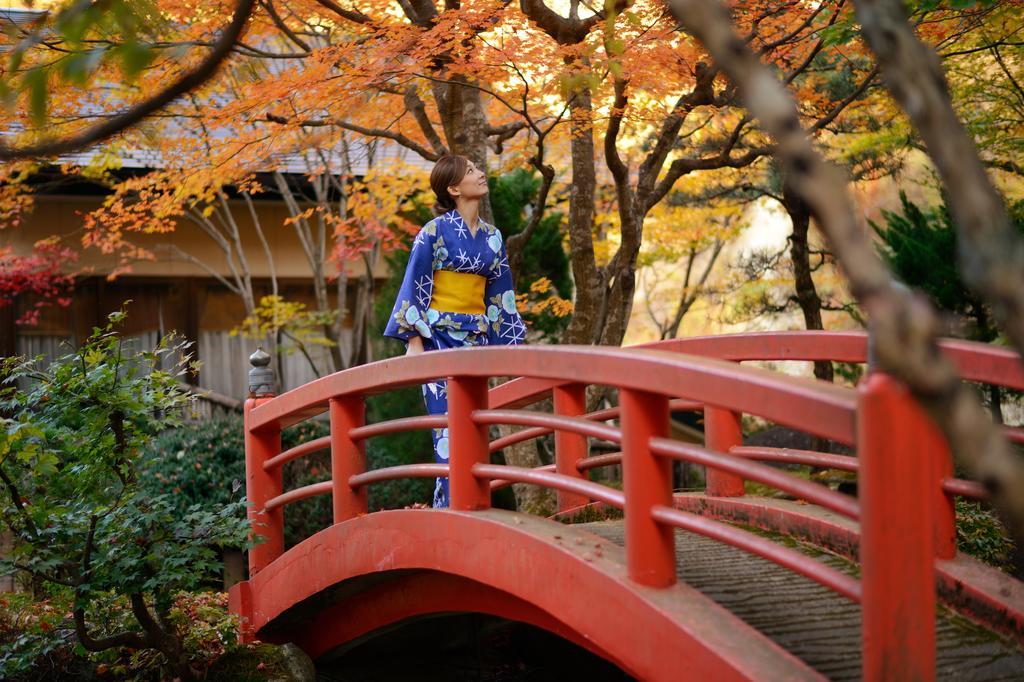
200,464
980,534
71,444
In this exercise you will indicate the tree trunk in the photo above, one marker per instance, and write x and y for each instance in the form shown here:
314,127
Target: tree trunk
530,499
465,126
799,252
588,281
621,285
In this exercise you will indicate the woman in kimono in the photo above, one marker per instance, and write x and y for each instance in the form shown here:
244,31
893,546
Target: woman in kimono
457,290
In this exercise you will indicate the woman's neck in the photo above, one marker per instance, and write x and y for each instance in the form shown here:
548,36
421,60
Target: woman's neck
469,209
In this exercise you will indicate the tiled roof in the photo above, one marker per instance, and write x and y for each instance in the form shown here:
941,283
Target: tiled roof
358,161
18,16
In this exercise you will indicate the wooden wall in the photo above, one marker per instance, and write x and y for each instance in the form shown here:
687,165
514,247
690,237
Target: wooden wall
198,309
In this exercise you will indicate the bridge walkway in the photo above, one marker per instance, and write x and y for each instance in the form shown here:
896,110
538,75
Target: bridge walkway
814,623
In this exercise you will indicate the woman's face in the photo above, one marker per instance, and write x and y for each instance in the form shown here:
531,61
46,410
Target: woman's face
472,186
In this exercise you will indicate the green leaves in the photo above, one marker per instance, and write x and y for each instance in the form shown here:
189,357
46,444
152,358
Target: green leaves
924,6
134,57
35,83
840,33
73,45
80,66
980,534
920,246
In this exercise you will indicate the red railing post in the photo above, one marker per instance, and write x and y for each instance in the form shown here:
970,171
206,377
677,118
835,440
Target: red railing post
723,431
944,510
647,479
897,537
570,400
348,457
262,486
468,444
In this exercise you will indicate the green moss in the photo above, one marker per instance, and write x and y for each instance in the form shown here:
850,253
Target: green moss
593,513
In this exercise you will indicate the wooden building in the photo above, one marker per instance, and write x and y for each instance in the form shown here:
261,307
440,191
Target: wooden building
171,293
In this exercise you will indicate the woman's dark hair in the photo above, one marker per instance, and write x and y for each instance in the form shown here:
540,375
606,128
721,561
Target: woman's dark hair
449,170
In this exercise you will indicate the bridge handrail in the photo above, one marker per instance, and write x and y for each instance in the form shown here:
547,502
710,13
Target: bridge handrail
830,407
676,405
975,361
811,458
755,471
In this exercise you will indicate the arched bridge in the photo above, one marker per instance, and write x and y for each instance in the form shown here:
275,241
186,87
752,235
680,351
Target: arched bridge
717,584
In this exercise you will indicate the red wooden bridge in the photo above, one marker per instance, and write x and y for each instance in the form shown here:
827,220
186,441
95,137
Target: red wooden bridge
709,584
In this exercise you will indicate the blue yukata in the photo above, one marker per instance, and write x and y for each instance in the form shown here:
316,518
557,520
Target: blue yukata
457,292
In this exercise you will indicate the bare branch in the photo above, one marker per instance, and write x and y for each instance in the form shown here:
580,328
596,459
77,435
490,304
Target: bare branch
401,139
418,109
681,167
279,22
865,83
702,93
564,30
615,163
184,255
352,15
263,241
17,500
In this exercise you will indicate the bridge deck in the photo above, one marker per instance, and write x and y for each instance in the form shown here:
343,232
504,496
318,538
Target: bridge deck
815,624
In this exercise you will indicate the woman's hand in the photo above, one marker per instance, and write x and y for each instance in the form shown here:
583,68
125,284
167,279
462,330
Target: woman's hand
415,346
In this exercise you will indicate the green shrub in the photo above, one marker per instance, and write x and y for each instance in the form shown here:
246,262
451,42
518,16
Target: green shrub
200,464
37,639
980,534
71,442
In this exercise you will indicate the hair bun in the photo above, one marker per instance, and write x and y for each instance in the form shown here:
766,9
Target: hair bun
447,172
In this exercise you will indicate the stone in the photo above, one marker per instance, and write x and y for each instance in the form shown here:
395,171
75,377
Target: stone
266,663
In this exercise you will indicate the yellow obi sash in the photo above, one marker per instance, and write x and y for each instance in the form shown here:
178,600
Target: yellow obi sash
458,292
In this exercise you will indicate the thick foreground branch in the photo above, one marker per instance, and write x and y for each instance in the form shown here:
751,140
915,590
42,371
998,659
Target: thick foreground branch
906,327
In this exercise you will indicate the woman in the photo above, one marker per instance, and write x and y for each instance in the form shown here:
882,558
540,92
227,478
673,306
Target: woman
457,289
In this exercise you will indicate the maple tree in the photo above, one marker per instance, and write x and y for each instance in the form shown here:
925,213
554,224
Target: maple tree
116,40
683,243
870,139
42,275
905,328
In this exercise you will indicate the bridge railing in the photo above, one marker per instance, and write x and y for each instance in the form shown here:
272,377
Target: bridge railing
977,362
903,469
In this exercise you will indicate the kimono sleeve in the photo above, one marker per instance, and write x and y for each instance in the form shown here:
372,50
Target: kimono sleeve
409,316
506,326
